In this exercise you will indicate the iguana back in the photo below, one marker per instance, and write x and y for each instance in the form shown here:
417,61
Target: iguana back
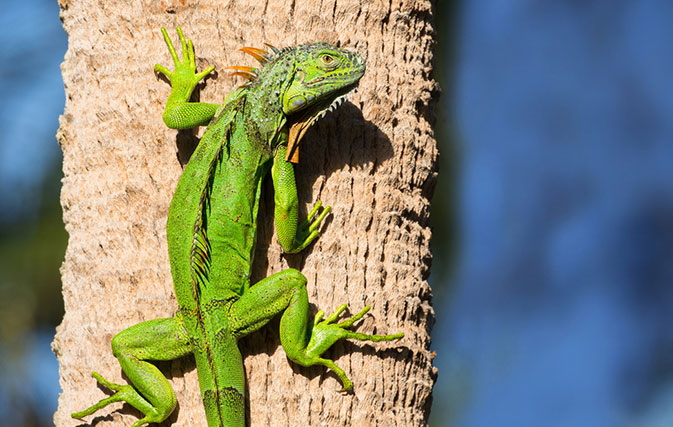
212,220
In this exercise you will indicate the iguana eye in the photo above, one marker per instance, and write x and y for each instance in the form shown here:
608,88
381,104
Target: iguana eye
327,59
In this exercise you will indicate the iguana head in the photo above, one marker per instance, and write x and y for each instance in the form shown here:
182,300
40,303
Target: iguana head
308,80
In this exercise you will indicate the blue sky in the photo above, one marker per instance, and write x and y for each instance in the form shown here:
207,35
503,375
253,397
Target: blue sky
33,97
561,298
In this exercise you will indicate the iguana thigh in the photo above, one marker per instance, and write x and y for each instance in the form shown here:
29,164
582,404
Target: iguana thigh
282,292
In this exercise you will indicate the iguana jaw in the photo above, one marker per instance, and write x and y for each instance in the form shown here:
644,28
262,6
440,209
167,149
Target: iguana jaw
301,121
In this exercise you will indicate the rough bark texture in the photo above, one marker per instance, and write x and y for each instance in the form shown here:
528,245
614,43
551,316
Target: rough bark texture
373,161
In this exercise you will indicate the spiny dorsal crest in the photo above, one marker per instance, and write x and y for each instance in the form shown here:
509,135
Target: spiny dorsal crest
261,55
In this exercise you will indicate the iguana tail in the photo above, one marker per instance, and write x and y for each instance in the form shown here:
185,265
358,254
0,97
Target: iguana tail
223,383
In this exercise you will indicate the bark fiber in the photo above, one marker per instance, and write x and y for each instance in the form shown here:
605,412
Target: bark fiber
374,161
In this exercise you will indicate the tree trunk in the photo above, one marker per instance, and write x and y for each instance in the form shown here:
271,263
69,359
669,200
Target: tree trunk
373,161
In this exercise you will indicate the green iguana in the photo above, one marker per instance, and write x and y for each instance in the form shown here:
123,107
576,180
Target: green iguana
212,231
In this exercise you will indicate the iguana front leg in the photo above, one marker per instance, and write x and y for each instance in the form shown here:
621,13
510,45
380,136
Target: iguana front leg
179,113
292,237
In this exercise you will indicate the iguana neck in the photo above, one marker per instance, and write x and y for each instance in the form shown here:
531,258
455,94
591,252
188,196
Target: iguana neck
265,107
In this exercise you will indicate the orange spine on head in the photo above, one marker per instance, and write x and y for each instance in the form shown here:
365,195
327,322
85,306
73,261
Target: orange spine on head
259,54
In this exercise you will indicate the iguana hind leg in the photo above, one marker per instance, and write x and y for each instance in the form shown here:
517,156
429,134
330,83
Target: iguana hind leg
150,392
285,290
304,343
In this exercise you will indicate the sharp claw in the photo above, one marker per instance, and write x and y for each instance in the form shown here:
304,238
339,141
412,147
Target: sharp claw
315,224
363,312
190,54
336,313
165,34
105,383
163,70
169,43
313,211
205,72
346,390
348,384
180,35
324,213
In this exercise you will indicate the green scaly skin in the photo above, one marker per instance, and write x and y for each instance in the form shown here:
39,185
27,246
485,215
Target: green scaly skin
212,232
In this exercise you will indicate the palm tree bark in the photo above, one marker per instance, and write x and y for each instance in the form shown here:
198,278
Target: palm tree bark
374,161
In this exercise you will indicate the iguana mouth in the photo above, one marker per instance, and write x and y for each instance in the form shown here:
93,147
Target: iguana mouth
301,121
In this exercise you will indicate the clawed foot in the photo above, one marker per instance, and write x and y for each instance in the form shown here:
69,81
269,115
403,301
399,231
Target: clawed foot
325,333
308,230
123,393
118,396
185,71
